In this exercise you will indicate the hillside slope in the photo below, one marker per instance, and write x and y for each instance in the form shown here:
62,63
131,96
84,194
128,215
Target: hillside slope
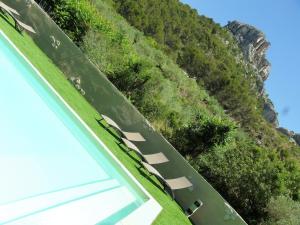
211,55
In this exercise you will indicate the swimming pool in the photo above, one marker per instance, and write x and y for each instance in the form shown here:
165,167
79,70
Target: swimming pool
53,169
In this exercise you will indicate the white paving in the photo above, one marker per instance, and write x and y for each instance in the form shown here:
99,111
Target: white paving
39,203
87,211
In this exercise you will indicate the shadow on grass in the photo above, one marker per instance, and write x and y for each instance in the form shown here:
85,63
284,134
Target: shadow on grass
9,21
139,166
124,149
118,140
113,133
149,177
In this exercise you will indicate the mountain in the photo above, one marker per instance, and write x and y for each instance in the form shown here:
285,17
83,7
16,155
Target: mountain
254,46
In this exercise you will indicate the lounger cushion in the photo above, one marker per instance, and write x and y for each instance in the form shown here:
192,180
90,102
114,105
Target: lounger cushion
156,158
179,183
133,136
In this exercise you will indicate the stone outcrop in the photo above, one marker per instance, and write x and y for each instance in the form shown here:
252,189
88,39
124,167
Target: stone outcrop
269,111
294,138
254,46
286,132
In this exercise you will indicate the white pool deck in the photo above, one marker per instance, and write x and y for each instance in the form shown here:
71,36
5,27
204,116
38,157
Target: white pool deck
98,197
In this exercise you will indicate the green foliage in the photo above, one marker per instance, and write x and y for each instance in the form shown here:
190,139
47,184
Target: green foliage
77,17
209,54
203,135
283,211
70,19
201,47
109,56
246,175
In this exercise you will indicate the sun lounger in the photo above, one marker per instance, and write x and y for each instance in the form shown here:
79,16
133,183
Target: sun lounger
23,26
151,159
131,136
111,123
172,184
20,26
7,8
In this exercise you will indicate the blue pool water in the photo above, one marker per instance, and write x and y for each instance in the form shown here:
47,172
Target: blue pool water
50,165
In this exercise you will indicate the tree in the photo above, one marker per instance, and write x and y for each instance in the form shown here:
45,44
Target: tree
283,210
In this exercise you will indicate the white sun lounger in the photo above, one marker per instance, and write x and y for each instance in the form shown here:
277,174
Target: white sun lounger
20,26
172,184
7,8
132,136
151,159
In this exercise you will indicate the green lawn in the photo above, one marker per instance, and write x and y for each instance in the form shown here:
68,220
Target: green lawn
171,213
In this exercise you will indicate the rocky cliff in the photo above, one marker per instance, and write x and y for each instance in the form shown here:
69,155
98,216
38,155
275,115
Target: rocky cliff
269,111
254,46
294,137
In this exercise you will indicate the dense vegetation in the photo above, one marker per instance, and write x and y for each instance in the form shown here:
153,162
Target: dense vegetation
197,44
282,211
242,156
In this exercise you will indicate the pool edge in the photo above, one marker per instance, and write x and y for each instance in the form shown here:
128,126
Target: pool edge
148,210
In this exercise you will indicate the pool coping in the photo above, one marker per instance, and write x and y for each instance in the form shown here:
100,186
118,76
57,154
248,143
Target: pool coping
148,211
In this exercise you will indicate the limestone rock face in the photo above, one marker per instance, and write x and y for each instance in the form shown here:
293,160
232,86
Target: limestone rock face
296,137
254,46
286,132
269,112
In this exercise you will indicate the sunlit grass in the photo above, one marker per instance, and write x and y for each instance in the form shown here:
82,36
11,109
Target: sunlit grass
171,213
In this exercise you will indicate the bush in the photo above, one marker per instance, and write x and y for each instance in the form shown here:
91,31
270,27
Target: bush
283,211
246,175
203,134
109,56
69,17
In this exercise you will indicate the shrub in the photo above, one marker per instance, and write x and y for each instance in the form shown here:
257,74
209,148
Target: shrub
203,134
246,175
283,211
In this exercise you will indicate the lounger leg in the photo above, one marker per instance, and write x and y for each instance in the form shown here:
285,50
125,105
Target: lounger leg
169,191
173,194
18,27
